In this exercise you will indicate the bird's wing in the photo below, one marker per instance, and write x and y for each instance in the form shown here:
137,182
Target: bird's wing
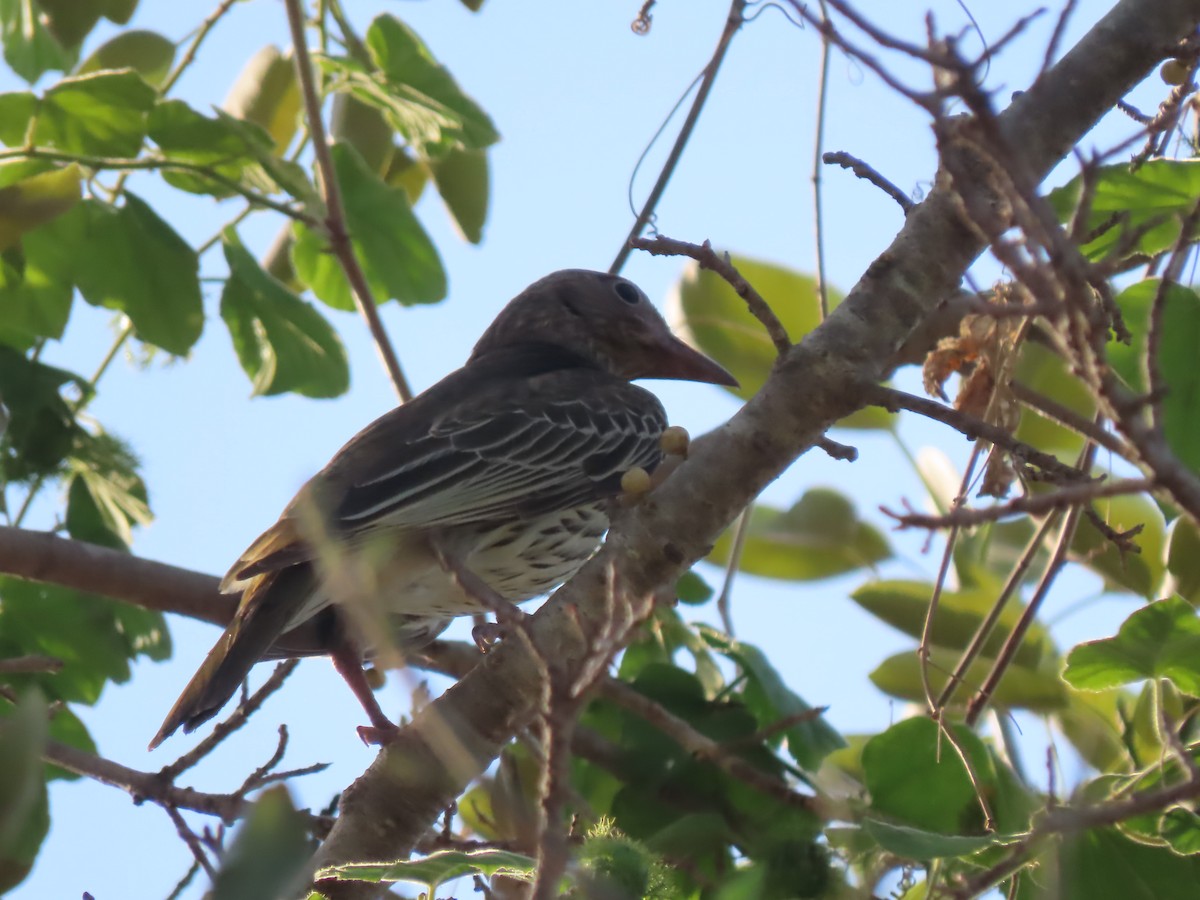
517,460
497,454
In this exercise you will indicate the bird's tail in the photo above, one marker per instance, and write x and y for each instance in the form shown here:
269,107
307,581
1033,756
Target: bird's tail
262,617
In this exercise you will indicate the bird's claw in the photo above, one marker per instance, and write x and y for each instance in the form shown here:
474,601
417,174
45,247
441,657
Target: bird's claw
486,635
378,735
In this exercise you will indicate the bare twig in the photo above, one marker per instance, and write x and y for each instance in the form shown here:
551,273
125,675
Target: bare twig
232,723
710,259
143,785
1033,504
335,214
732,23
27,665
868,173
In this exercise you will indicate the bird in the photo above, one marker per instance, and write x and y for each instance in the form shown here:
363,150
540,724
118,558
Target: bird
490,487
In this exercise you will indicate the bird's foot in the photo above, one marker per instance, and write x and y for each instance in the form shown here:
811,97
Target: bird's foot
487,634
378,735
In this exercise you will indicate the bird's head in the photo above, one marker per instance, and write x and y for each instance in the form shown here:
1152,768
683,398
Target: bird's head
607,320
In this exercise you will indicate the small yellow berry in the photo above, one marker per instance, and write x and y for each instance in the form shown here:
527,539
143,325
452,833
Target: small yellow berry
1174,71
636,481
675,441
375,678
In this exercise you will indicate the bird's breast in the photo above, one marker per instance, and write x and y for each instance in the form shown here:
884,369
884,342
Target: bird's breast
518,559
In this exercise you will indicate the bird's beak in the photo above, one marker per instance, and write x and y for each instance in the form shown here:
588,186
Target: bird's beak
676,361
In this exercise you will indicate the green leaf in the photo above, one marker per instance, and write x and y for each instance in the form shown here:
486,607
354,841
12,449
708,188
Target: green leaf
692,589
267,94
916,778
1101,862
34,303
268,852
1020,688
1093,724
438,868
917,843
1180,828
364,128
24,818
419,96
397,256
146,52
283,343
1045,371
820,536
1160,640
96,638
183,135
461,177
1161,190
36,200
129,259
102,114
30,49
905,604
712,317
17,110
41,427
772,700
1176,361
1183,558
106,497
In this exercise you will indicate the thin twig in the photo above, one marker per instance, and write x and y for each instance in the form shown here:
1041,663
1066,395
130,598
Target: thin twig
1008,651
868,173
893,400
1033,504
741,528
335,213
28,665
142,785
231,724
732,23
818,143
710,259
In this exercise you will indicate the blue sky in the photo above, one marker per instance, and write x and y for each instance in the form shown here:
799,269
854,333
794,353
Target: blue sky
576,96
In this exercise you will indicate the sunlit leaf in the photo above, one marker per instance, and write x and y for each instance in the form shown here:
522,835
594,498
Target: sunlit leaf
396,254
267,93
1151,199
820,536
282,342
1179,336
101,114
1160,640
438,868
461,177
146,52
36,200
905,605
1020,688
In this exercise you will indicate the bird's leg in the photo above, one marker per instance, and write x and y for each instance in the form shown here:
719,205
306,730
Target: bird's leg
348,662
484,634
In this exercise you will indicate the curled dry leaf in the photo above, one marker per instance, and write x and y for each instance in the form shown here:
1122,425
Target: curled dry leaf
982,354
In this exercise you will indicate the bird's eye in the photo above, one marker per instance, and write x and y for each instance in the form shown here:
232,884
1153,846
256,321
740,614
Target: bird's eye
627,292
